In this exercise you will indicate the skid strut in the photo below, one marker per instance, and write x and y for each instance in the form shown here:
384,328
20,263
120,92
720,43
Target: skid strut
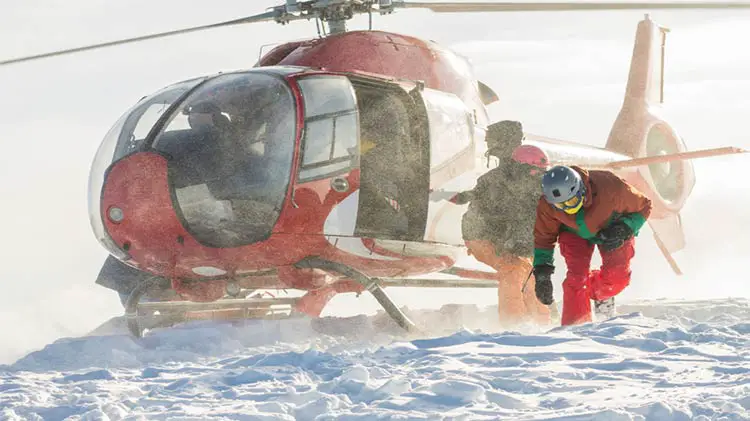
369,283
131,305
149,315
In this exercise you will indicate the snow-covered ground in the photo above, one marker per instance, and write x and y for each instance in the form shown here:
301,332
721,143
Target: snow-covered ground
657,360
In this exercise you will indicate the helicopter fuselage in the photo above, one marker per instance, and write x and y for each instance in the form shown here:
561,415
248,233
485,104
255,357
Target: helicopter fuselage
359,131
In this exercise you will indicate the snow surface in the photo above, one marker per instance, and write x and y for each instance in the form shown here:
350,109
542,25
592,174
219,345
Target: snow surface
657,360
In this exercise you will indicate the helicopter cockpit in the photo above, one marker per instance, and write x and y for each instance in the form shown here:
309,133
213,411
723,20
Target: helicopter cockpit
229,141
230,145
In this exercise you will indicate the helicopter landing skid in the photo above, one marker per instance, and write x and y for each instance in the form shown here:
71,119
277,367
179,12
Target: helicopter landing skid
142,316
370,284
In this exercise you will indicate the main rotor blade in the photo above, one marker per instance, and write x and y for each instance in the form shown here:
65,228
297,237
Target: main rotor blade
251,19
563,6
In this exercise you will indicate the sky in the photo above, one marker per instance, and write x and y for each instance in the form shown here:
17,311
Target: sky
562,75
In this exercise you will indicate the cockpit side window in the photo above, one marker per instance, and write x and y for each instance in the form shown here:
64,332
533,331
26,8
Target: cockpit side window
149,117
331,138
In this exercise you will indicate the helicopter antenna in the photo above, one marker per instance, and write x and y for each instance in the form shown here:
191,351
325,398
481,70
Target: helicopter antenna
336,12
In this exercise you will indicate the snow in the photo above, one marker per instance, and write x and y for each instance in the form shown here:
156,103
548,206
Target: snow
656,360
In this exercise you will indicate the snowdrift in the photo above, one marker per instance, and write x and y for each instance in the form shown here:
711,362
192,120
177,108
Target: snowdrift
660,360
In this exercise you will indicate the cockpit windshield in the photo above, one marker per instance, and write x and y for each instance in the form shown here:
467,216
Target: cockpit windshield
126,136
230,145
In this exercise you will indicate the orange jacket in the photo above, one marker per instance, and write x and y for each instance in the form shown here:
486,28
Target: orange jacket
607,198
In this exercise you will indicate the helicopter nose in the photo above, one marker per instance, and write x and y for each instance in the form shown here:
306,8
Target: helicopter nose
138,213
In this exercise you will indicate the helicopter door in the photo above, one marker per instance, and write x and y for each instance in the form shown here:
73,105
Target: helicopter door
452,159
393,165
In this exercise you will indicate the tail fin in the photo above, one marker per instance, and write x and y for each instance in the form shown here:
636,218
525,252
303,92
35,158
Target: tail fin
646,78
640,132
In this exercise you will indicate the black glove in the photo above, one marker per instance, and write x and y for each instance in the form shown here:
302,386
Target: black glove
614,235
543,276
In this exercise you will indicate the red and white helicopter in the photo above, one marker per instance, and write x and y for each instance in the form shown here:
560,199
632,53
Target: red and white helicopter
272,177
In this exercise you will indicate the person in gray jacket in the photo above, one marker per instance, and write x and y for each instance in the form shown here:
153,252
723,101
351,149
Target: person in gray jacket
498,226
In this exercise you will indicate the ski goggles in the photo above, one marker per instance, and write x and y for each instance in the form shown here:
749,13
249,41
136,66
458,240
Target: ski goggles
572,205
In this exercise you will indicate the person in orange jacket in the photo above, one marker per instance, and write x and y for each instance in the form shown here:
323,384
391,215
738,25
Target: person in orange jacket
497,227
582,209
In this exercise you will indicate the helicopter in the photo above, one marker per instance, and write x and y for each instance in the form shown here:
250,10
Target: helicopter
272,178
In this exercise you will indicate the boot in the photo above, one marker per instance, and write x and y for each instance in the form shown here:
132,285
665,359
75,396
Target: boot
604,309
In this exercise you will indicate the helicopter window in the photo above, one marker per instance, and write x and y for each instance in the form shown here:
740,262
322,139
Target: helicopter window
331,127
318,141
141,119
329,146
178,122
326,95
231,144
148,119
330,139
121,140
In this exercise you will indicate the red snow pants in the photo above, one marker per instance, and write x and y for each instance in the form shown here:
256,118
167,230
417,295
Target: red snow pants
582,285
